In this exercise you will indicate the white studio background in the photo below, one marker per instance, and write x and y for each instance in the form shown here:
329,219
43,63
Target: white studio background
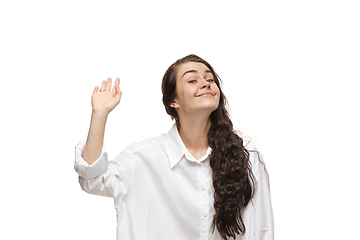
291,75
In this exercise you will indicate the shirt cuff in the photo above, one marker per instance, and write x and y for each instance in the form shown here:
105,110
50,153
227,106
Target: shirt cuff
85,170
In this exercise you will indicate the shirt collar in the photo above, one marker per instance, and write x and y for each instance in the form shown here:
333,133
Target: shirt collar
175,148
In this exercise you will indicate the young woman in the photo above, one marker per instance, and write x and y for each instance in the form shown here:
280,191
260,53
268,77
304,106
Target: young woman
198,181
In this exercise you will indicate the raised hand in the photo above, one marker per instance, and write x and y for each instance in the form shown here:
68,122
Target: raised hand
105,99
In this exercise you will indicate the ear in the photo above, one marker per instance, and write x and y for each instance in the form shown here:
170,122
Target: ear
173,104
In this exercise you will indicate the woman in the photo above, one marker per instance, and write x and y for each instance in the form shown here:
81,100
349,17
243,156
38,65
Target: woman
198,181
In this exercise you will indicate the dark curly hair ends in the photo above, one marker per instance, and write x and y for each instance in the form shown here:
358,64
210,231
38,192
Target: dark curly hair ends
233,180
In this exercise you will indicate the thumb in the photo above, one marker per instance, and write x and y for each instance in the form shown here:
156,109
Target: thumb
118,93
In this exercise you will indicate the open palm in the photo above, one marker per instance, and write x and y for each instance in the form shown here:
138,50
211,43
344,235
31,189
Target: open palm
105,99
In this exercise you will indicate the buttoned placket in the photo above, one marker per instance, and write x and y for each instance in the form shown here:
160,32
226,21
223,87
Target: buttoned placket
204,197
203,185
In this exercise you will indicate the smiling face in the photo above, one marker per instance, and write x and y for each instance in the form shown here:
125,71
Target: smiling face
195,89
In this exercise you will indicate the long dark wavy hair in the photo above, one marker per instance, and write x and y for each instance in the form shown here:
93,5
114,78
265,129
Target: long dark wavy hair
233,180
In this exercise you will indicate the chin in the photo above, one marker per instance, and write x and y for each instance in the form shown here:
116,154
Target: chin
210,107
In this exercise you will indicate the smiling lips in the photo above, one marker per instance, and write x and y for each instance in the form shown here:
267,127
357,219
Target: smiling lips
206,94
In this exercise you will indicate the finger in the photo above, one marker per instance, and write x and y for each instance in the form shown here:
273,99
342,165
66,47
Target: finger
96,89
118,93
117,82
108,84
103,86
117,89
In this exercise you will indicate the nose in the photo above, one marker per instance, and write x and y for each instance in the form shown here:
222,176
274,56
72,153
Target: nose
205,84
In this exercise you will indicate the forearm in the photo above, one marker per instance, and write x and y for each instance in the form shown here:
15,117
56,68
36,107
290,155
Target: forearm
95,139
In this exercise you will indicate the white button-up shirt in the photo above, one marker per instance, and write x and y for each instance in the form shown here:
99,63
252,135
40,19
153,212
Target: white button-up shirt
161,191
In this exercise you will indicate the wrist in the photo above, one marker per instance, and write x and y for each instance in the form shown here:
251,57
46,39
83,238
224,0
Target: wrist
98,113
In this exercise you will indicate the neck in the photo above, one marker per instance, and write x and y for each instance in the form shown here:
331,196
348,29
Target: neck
193,131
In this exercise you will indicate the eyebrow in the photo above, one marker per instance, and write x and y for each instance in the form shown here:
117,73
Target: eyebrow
194,71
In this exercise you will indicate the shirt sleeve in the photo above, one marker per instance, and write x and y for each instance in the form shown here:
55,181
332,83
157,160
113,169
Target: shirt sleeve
85,170
263,214
103,177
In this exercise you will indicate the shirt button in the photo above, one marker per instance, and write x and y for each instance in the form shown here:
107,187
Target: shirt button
202,187
204,214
